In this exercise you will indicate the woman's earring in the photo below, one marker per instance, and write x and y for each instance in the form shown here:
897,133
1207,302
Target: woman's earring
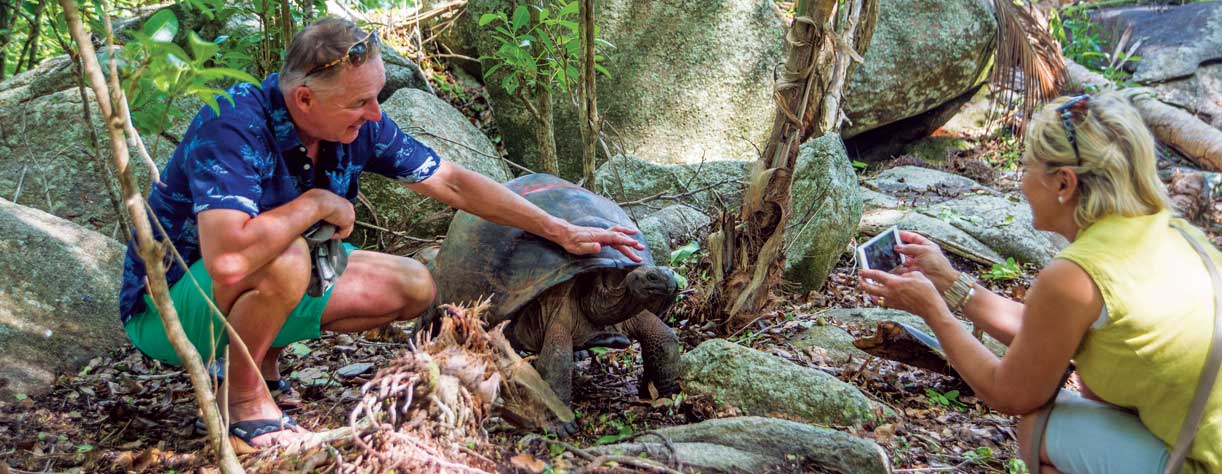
1060,200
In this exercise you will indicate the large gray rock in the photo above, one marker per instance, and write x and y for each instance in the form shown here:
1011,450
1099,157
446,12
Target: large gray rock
672,227
765,385
826,207
1198,93
687,81
438,125
59,305
917,185
755,444
836,343
401,73
48,167
868,318
1004,225
923,54
702,185
1176,40
949,237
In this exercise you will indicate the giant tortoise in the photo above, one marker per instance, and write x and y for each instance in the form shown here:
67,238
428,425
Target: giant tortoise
556,301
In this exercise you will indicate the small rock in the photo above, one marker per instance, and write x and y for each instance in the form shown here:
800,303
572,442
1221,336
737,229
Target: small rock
353,370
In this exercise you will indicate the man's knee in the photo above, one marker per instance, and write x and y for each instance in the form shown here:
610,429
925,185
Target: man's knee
285,277
418,289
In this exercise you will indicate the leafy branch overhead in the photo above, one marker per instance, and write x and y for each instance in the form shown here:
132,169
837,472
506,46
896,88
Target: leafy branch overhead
541,52
160,71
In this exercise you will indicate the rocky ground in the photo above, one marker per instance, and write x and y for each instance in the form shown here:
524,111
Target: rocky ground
124,413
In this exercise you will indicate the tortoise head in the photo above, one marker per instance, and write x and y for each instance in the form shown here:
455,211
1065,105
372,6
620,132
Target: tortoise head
654,286
648,283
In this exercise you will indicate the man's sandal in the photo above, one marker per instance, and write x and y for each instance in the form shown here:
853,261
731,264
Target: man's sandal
247,431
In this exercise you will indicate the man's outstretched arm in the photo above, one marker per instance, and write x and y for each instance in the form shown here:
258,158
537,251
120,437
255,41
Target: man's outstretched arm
475,193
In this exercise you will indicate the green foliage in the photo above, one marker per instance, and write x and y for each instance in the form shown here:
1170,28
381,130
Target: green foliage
1008,270
539,50
160,71
981,455
621,428
949,399
1008,154
1016,466
681,259
1080,41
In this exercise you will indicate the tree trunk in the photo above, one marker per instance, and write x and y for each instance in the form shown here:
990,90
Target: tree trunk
545,133
32,41
1179,129
746,250
113,106
590,122
7,13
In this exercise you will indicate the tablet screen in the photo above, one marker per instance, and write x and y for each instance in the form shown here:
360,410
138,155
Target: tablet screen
881,255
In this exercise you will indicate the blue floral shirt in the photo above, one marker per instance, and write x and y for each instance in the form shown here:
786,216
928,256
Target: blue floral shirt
249,158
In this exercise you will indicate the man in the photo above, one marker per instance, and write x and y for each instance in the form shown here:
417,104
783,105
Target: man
243,186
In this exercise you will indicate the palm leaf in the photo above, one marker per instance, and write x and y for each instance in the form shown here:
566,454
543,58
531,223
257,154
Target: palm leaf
1028,61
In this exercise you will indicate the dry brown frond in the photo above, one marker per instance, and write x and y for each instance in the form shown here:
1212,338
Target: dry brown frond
1028,61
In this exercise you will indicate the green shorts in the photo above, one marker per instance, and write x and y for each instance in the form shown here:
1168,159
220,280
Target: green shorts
203,327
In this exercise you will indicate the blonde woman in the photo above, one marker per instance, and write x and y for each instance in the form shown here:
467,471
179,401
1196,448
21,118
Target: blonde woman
1130,301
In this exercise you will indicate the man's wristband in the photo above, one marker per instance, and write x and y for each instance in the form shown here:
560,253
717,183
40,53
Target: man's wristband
959,292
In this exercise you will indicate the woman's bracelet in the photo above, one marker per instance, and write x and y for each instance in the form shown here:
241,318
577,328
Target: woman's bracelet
961,290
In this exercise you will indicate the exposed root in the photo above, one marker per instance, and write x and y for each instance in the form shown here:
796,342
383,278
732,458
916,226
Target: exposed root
419,414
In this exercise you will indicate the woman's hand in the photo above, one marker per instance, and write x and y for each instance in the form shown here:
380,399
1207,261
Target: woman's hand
911,292
924,256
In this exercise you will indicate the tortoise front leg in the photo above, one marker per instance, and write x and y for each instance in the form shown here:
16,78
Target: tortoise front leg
555,362
660,349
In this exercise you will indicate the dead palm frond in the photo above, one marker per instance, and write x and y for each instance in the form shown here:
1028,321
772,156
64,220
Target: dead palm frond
1028,62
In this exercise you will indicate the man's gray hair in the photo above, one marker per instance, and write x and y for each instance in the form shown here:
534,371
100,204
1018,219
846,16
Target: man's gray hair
324,41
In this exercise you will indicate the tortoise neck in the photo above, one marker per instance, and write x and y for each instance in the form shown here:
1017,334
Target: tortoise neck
607,300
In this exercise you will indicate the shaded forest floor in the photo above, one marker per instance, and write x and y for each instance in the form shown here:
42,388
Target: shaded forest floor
125,413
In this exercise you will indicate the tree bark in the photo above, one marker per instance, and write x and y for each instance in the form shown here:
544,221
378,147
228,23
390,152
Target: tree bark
590,122
8,12
31,43
113,106
746,250
545,133
1178,129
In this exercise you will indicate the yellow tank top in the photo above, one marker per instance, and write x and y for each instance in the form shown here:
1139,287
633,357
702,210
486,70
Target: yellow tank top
1147,352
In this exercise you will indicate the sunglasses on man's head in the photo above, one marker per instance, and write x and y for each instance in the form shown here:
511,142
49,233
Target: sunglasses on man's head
1066,111
356,55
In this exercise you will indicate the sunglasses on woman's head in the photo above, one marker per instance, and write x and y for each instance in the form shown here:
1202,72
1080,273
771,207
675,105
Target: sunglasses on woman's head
1066,111
356,55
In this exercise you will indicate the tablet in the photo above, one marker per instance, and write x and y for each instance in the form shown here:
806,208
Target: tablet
879,252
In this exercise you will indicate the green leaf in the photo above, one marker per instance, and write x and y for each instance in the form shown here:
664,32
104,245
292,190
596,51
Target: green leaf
681,254
21,396
599,350
521,16
570,8
604,43
201,50
602,70
162,26
681,281
222,72
298,349
84,448
487,18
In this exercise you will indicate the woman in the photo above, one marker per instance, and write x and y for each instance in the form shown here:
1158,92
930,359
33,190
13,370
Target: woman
1130,301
